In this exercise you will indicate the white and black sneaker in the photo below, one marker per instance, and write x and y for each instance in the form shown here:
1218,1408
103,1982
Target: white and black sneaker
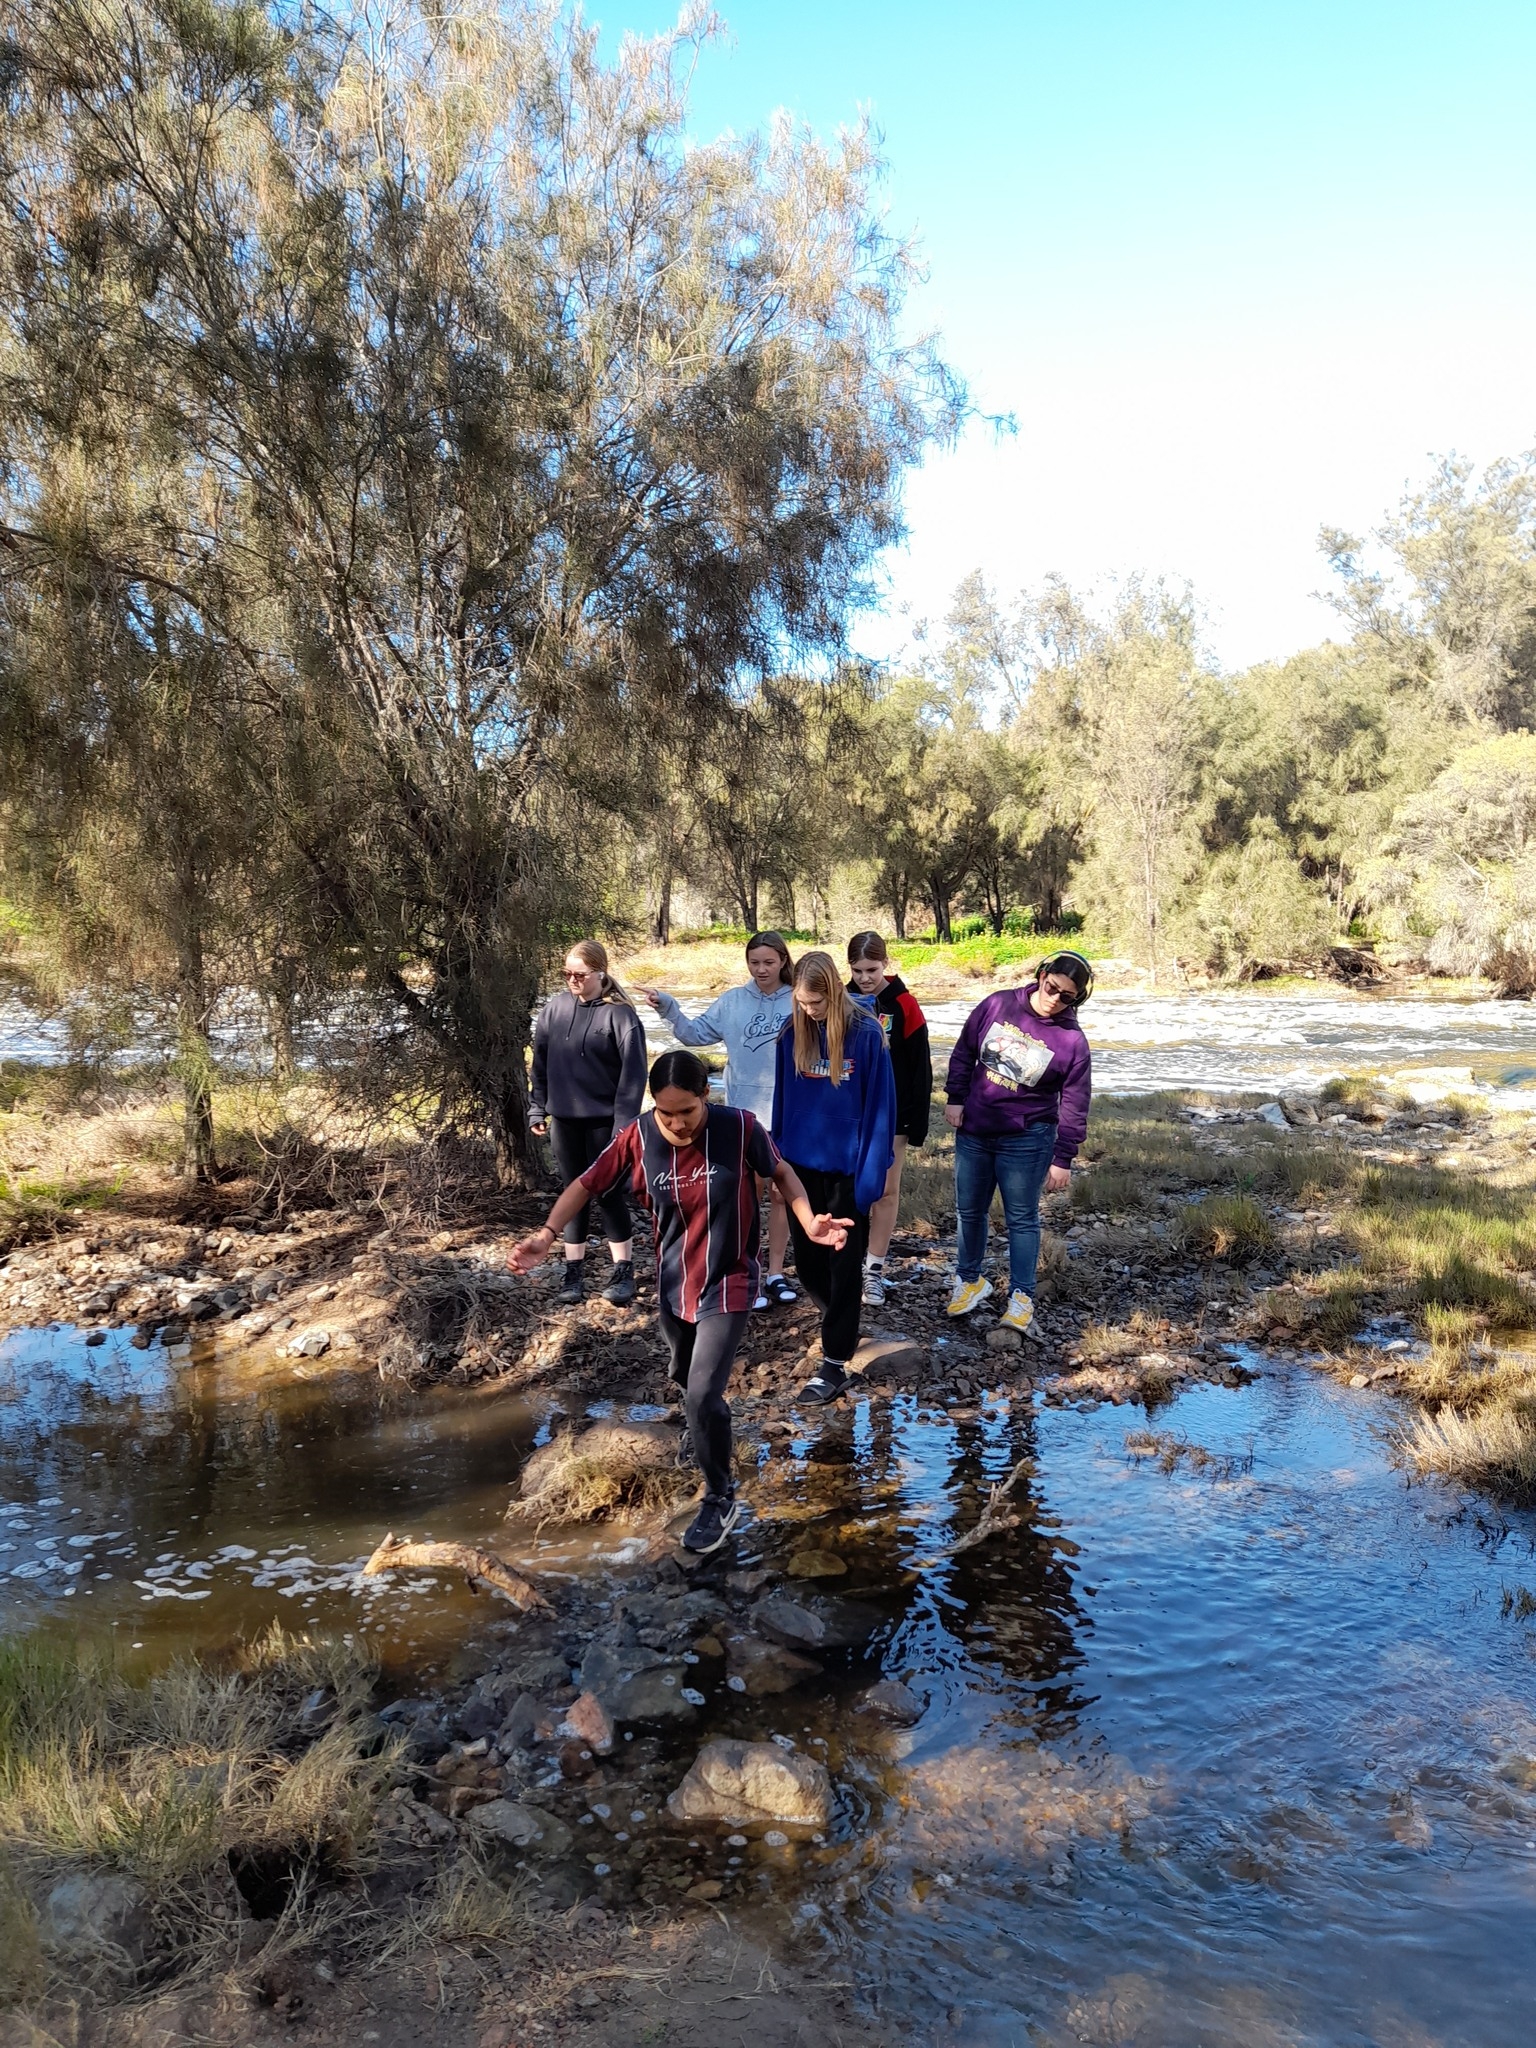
712,1524
874,1283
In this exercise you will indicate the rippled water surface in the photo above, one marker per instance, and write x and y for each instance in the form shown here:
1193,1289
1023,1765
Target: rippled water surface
1239,1760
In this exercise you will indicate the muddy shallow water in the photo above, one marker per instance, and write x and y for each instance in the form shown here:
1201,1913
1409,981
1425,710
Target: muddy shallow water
1236,1759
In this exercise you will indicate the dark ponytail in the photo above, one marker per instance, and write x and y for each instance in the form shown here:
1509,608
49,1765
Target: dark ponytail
679,1069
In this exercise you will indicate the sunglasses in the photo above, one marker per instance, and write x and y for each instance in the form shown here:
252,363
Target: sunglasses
1068,995
575,974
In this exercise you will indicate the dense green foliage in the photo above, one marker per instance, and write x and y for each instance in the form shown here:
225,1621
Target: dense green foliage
1055,759
433,495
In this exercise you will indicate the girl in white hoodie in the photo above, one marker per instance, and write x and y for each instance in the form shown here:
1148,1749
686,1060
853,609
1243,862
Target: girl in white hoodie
747,1021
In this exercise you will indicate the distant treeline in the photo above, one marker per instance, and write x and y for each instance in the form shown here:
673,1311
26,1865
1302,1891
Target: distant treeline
1055,761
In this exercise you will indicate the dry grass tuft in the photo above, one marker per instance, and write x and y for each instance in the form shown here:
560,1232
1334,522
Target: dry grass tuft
1230,1227
1495,1446
173,1786
575,1485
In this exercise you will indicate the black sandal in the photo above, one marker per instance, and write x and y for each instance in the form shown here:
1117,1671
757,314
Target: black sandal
828,1384
779,1292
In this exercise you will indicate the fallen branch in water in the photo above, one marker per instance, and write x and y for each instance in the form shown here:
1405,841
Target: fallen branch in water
480,1567
995,1518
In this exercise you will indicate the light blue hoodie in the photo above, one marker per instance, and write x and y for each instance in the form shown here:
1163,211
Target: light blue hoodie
747,1023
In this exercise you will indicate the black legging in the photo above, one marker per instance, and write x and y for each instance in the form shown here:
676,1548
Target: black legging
833,1280
702,1356
577,1141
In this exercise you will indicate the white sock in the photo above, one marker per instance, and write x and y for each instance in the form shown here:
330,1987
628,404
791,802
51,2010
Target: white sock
874,1265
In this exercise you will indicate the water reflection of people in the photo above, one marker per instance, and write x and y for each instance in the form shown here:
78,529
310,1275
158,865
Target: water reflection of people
695,1166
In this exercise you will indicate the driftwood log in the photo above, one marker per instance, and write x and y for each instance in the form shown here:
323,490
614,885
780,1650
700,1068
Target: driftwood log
480,1567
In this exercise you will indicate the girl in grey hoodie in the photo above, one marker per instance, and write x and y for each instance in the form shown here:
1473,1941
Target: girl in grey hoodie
747,1021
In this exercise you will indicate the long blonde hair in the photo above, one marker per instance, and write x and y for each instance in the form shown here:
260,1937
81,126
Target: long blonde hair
818,971
594,955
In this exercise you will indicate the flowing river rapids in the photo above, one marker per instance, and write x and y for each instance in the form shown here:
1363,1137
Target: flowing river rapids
1241,1754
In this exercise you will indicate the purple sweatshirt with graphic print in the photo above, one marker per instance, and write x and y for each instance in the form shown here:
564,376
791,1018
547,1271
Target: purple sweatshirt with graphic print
1012,1069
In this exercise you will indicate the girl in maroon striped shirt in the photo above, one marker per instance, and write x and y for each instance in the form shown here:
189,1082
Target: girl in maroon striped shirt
696,1167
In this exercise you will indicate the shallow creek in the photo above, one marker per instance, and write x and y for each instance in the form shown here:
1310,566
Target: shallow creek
1237,1756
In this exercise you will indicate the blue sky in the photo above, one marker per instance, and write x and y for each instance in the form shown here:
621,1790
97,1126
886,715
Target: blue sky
1237,270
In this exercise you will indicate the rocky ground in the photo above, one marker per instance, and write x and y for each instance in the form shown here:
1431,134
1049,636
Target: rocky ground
566,1758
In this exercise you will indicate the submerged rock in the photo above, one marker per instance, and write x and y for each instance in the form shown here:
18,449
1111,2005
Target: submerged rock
891,1701
633,1683
747,1783
521,1827
789,1621
816,1564
767,1667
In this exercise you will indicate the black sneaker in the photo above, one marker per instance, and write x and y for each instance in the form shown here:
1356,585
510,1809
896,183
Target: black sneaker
828,1384
572,1287
621,1288
712,1524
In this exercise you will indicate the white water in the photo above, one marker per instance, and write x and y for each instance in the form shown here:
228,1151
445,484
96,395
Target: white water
1294,1040
1252,1041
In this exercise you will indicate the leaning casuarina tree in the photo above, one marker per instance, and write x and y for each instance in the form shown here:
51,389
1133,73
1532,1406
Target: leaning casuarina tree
502,432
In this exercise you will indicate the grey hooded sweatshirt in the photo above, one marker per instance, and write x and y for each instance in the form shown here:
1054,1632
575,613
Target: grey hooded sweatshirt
747,1023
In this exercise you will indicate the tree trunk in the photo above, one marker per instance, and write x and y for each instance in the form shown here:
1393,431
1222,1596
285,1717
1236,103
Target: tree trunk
939,897
661,923
282,1018
194,1061
518,1164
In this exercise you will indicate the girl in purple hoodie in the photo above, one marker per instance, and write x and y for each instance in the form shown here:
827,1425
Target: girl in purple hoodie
1019,1084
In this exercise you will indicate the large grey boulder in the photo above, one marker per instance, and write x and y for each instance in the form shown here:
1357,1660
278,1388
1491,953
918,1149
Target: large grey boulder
885,1355
742,1784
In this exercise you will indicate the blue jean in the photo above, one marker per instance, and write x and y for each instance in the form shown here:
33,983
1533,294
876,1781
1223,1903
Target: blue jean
1014,1163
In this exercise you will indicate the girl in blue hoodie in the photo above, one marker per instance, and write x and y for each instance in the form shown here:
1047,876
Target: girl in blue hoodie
834,1119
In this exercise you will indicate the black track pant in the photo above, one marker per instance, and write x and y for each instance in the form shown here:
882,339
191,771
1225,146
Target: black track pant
578,1140
702,1356
834,1280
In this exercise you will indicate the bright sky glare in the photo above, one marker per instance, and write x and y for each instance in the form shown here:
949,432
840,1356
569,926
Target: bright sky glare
1237,267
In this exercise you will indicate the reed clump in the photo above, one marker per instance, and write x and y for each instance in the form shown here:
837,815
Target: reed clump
1492,1446
1230,1227
157,1802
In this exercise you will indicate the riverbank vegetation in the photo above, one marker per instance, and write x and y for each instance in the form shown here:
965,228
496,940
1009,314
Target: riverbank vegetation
150,1828
479,497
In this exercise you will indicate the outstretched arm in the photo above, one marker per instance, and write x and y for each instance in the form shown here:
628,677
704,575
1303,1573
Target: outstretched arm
535,1249
831,1231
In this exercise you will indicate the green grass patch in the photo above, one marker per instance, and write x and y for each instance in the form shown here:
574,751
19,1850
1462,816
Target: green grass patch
1449,1240
1230,1227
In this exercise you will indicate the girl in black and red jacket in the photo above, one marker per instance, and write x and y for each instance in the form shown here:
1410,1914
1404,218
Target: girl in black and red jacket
906,1034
